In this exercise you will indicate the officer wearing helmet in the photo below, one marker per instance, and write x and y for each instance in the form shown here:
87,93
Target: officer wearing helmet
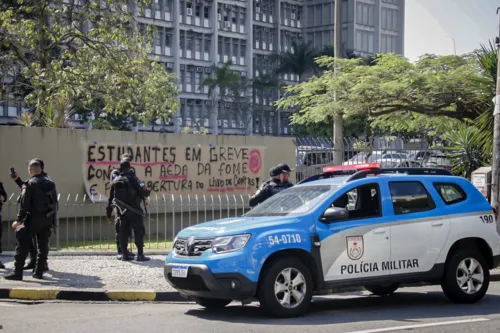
286,174
269,187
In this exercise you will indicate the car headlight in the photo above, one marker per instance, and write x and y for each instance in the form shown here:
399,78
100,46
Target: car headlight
229,243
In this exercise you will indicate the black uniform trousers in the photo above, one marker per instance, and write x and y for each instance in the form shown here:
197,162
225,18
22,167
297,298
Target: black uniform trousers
131,221
24,237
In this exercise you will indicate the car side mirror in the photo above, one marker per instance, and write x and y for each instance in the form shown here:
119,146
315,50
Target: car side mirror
334,214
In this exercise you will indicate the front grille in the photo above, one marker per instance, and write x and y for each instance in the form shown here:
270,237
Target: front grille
196,249
191,282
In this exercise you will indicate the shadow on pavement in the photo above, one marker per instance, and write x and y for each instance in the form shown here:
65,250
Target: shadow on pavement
402,306
54,279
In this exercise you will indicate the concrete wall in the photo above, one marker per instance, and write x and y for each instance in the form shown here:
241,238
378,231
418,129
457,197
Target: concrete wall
62,152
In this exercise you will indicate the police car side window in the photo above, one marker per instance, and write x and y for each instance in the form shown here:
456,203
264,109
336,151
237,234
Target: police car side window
450,193
410,197
361,202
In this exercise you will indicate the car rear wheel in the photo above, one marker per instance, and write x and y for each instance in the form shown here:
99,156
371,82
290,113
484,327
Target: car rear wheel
466,277
380,290
211,303
286,288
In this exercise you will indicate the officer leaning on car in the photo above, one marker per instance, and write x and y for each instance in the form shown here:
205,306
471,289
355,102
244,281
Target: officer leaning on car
277,183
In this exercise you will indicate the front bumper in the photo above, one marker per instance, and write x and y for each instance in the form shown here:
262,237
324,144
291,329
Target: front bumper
201,282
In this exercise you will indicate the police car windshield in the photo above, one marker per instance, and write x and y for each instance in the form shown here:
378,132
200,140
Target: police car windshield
294,201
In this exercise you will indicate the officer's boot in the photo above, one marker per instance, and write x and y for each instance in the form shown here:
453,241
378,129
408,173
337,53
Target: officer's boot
2,265
140,255
17,275
125,255
118,250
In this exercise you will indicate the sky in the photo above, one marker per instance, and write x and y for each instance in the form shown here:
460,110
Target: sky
431,26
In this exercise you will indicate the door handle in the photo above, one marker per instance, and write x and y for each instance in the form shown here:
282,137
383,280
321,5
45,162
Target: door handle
437,224
379,231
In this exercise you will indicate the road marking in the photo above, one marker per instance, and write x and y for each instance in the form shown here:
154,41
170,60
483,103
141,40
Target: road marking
388,329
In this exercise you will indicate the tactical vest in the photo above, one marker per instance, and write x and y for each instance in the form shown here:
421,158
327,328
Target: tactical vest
124,191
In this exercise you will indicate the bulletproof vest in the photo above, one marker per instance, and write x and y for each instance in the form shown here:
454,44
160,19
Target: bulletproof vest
124,191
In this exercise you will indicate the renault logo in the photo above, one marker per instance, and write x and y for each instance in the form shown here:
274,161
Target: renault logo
189,247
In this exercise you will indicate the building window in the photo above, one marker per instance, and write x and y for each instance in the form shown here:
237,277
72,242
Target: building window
206,12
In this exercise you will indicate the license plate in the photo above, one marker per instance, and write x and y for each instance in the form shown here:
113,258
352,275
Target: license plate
180,271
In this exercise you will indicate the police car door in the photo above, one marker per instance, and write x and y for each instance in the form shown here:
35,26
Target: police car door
357,246
419,226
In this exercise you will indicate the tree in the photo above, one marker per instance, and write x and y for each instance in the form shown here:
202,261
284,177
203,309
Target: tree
265,86
487,58
300,61
226,86
83,51
448,86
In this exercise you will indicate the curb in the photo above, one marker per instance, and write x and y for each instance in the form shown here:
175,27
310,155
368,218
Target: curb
86,254
83,295
127,295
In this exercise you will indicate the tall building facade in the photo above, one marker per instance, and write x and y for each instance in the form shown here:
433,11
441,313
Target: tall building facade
193,35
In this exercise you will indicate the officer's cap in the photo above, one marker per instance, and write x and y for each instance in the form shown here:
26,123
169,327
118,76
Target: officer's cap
284,167
124,164
275,171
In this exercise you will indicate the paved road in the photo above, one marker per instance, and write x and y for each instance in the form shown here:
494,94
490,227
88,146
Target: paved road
423,309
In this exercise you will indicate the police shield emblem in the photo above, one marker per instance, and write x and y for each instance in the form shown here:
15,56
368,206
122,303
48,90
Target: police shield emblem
355,247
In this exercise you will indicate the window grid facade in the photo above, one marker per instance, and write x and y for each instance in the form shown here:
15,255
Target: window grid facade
190,36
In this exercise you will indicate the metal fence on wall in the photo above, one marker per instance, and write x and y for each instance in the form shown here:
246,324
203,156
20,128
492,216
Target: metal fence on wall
312,154
88,229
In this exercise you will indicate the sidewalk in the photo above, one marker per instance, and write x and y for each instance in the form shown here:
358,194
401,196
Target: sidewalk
95,277
100,277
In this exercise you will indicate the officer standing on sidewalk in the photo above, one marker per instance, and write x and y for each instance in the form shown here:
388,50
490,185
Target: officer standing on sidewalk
115,173
38,205
33,247
126,195
3,198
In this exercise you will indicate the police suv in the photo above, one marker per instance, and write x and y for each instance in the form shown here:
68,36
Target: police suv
350,226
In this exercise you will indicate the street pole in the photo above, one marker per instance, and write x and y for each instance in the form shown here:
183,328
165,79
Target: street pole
338,120
495,161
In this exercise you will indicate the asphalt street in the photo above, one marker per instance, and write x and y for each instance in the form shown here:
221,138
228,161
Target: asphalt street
423,309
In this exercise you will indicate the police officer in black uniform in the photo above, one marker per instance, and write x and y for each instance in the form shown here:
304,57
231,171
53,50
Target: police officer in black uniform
3,198
115,173
38,205
269,187
33,247
126,195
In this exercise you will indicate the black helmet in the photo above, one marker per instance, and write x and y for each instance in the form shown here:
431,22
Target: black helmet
284,167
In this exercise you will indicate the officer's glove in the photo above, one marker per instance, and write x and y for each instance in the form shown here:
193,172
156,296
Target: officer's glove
109,211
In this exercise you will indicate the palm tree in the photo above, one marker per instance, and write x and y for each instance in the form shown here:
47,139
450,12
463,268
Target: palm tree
487,58
299,62
224,85
263,83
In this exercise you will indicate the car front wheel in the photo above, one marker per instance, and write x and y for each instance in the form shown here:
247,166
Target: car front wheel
466,277
286,288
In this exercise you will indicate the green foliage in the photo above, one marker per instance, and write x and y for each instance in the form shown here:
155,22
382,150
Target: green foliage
447,86
464,149
487,58
83,52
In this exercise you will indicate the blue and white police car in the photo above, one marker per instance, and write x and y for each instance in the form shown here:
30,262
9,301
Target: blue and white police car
350,226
